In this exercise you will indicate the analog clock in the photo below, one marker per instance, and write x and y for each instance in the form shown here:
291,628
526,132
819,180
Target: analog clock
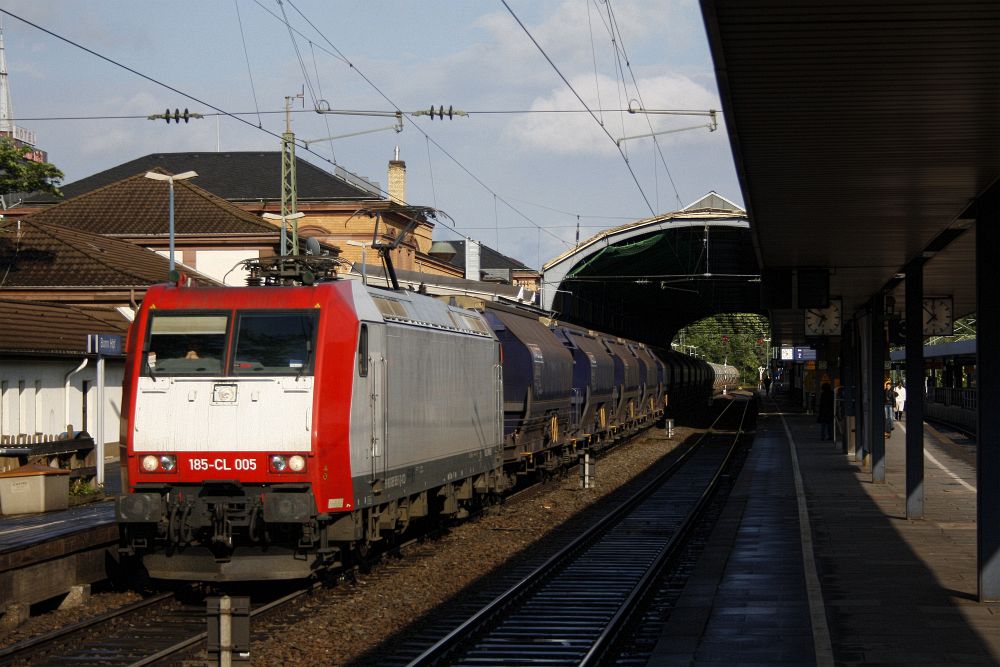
938,316
824,321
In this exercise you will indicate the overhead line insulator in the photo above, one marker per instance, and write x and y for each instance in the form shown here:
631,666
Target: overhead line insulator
176,115
441,112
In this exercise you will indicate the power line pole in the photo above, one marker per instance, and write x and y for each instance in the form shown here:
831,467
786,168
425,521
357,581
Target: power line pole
288,182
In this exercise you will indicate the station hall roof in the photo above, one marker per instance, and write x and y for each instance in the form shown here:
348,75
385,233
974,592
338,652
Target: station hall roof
649,278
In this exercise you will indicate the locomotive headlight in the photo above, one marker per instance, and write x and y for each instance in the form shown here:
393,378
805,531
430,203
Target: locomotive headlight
159,463
297,463
279,463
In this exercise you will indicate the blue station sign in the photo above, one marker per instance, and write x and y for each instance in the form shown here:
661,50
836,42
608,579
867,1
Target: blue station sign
108,345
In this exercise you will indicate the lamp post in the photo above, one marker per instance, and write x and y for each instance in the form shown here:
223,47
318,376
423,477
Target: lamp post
156,176
364,266
284,225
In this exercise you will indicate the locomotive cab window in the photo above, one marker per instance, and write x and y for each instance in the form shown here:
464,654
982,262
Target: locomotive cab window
363,351
185,344
274,343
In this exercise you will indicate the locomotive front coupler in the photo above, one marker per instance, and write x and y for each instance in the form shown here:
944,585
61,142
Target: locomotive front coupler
222,533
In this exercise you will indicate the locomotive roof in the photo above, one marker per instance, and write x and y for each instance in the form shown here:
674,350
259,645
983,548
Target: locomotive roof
418,309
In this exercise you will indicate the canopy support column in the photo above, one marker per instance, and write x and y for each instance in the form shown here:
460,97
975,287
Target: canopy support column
876,407
914,407
988,391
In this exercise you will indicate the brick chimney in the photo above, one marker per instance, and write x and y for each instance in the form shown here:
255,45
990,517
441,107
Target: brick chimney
397,179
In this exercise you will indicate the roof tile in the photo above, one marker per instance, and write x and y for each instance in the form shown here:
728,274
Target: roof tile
235,176
139,206
38,255
32,326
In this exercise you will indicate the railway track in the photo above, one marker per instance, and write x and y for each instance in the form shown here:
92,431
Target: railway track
572,610
152,631
158,630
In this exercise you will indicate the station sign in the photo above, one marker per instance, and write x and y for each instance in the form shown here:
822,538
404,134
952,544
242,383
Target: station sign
804,354
798,354
108,345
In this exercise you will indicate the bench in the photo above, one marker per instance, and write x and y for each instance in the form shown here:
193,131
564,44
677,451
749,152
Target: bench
72,450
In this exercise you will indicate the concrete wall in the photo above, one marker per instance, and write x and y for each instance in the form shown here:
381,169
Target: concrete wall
32,397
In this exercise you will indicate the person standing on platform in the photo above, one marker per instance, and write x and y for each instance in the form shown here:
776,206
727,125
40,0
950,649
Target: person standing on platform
900,400
825,413
889,402
767,384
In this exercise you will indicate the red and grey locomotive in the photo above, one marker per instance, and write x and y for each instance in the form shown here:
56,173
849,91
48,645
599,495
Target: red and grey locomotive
272,432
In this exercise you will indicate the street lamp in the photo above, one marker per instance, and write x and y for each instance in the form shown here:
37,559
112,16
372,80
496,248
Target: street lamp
156,176
364,266
284,225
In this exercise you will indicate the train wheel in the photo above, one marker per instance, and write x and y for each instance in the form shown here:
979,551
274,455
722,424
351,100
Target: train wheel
364,556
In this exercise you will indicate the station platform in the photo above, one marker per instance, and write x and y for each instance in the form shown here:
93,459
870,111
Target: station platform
813,563
46,555
20,531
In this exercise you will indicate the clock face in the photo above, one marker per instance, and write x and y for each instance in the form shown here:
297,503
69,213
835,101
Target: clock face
938,316
824,321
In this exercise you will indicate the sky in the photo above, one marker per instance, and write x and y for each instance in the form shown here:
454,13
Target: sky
518,182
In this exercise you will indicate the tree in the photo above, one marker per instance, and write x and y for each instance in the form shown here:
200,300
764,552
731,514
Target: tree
19,174
730,338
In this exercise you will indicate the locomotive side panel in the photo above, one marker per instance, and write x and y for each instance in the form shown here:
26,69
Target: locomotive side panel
427,378
428,364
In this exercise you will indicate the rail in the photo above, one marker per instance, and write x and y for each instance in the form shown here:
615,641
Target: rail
155,630
585,595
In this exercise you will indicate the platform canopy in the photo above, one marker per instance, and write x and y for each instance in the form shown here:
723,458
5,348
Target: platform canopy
648,279
864,133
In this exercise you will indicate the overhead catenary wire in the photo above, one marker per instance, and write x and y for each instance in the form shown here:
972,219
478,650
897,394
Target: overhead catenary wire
246,55
319,86
430,170
585,105
135,71
420,130
257,113
175,90
359,112
593,55
620,43
298,55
